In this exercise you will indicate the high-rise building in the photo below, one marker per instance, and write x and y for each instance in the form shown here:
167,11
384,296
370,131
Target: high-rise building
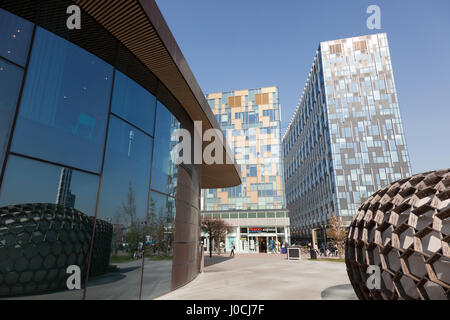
250,120
65,197
345,140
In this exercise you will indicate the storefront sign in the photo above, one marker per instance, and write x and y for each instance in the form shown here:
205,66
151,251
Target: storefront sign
261,230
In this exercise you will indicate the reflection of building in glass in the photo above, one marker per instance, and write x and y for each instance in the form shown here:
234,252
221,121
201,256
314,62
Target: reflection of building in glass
250,120
171,167
130,142
65,197
345,141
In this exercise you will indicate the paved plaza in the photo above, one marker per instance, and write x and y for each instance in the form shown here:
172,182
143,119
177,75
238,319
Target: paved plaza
244,277
266,277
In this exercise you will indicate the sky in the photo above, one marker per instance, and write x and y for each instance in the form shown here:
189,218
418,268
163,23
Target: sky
243,44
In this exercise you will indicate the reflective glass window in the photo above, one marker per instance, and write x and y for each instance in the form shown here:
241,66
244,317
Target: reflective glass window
10,82
164,171
64,106
251,170
43,236
126,170
133,103
15,37
280,214
123,203
158,246
29,181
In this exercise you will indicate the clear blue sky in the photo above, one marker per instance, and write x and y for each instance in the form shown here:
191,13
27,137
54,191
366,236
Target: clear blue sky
242,44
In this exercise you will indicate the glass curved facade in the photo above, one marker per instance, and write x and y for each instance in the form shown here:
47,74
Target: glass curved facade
85,167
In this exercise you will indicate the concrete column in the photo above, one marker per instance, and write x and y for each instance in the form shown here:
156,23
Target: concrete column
238,239
324,232
286,234
314,238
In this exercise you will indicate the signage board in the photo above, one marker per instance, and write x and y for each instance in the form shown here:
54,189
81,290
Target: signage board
293,254
261,230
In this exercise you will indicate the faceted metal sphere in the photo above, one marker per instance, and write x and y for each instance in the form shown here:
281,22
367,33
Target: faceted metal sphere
404,229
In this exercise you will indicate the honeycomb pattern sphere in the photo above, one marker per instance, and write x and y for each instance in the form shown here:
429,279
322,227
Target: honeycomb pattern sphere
102,247
404,229
39,241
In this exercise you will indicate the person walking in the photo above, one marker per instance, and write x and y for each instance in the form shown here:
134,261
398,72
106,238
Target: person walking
232,250
271,246
283,248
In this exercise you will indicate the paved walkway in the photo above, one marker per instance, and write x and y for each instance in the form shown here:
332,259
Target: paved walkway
266,277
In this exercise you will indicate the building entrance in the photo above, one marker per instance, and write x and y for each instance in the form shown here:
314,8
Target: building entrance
262,244
253,244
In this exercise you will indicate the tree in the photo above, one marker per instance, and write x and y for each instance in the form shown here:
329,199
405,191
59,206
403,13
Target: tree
338,232
128,212
220,233
216,229
161,222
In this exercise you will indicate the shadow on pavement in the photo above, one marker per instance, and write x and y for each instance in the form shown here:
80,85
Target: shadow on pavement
340,292
111,276
128,269
215,259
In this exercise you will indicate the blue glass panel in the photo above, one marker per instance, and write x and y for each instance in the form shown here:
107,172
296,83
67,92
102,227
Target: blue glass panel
10,82
46,240
64,107
124,202
252,170
159,246
30,181
133,103
126,173
164,171
15,37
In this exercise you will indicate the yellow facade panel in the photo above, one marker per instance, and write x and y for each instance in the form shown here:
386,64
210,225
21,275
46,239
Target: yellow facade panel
223,197
251,180
241,93
269,90
253,196
217,95
231,103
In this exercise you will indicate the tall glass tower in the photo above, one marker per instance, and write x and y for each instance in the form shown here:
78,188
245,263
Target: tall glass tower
345,140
